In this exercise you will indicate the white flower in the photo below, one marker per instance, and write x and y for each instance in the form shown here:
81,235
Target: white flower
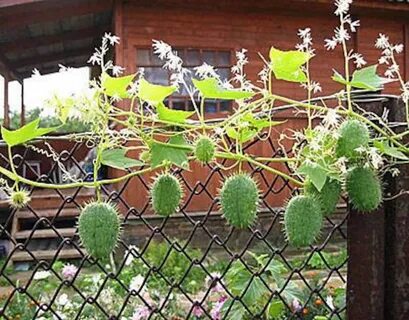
136,283
206,70
331,119
342,6
63,299
129,256
342,34
162,49
358,59
398,48
330,302
41,275
117,70
330,44
395,172
113,39
95,59
304,33
376,158
382,42
35,73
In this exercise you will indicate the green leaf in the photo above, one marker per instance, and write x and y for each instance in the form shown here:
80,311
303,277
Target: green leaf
116,158
365,78
26,133
275,309
251,131
177,116
161,152
153,93
209,88
116,86
242,135
316,173
286,65
260,123
385,148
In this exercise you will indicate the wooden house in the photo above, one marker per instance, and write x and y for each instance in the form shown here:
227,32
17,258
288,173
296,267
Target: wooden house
43,33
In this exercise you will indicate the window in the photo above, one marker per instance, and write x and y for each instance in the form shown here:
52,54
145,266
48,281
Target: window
154,73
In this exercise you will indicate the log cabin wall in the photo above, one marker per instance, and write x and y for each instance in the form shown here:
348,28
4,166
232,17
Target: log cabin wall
256,26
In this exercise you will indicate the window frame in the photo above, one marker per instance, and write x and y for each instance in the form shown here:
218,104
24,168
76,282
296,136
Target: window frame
219,112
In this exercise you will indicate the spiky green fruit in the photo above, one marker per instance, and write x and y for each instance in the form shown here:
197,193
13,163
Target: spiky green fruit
328,196
302,220
239,199
204,149
99,228
364,189
352,135
166,194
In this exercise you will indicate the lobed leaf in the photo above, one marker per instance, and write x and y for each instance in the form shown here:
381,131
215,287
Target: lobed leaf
286,65
154,93
161,153
26,133
209,88
116,86
116,158
176,116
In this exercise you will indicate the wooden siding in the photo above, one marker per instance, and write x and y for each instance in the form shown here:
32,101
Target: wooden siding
233,25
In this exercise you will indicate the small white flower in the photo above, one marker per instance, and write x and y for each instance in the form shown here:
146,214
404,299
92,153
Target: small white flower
330,302
41,275
63,299
330,44
342,34
331,119
95,59
206,70
35,73
136,283
162,49
113,39
382,42
117,70
358,59
342,6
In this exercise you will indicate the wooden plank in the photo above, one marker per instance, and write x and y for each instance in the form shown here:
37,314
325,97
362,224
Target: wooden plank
6,115
38,60
54,11
49,213
45,233
11,3
45,255
20,45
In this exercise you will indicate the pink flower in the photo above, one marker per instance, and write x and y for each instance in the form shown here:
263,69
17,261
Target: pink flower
197,311
217,308
69,271
141,313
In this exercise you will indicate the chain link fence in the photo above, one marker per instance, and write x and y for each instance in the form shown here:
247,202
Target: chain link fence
188,266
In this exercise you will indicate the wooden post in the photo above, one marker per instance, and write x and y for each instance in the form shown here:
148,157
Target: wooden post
6,118
23,107
366,264
397,235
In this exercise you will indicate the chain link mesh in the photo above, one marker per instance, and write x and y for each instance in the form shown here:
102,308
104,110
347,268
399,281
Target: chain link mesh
189,264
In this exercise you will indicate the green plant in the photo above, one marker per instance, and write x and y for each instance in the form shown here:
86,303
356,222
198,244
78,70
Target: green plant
353,134
99,228
204,149
345,137
328,196
364,189
166,194
239,199
302,220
